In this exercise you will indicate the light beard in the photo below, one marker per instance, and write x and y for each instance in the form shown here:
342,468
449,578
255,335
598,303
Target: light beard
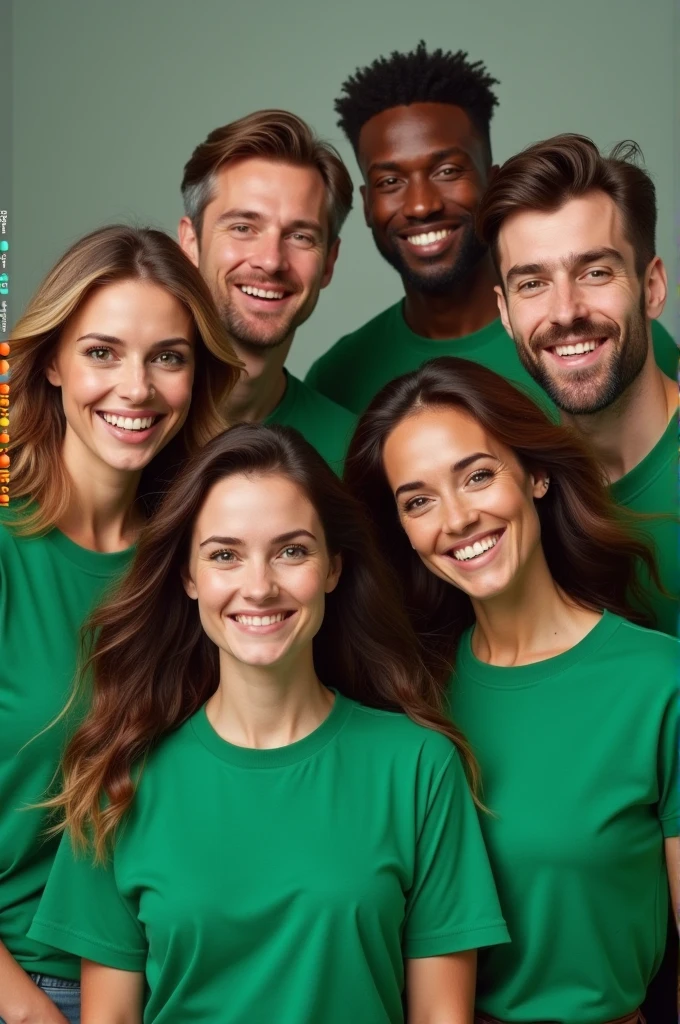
440,280
576,397
246,334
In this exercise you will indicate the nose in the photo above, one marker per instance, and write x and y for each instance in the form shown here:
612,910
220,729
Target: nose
268,253
135,381
458,514
259,581
422,198
566,303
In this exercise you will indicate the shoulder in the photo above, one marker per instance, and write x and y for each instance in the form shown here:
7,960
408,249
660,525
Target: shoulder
392,732
326,406
355,342
642,652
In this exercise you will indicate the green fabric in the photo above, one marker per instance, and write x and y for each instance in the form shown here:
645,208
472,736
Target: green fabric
578,755
324,424
284,885
361,363
47,587
652,487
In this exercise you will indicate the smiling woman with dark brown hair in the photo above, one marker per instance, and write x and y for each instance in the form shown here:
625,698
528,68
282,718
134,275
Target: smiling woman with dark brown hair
267,811
519,575
119,365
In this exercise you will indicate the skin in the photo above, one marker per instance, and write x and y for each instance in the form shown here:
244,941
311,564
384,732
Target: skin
425,168
568,277
151,346
267,227
245,563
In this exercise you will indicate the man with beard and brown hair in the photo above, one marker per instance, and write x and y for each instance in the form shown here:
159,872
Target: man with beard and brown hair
264,203
419,125
572,235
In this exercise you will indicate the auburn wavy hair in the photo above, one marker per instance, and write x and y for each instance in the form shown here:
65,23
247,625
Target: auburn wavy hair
110,254
150,665
590,544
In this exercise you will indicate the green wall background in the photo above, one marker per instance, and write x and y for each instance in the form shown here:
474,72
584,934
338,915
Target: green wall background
111,98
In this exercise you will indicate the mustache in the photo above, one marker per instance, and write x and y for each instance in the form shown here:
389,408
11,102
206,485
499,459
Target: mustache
578,329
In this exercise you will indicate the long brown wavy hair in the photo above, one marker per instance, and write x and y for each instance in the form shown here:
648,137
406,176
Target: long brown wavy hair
110,254
590,546
152,666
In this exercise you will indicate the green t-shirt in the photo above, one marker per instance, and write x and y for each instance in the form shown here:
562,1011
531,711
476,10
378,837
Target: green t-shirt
652,487
361,363
48,585
327,426
286,884
578,755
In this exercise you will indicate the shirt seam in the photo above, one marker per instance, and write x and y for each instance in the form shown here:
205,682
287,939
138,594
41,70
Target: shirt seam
88,938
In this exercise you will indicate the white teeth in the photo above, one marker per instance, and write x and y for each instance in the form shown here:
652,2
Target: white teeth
128,423
260,293
478,548
576,350
260,620
429,237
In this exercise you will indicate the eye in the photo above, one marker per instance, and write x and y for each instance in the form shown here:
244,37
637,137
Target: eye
301,240
480,476
415,504
223,556
449,172
100,353
293,551
387,182
598,273
171,359
241,229
529,286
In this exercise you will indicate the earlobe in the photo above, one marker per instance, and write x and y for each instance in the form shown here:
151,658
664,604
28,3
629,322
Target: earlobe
502,308
53,375
364,201
189,586
334,572
656,288
540,485
330,263
187,239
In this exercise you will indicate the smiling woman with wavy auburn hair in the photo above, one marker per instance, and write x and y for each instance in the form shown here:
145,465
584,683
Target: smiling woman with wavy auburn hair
119,367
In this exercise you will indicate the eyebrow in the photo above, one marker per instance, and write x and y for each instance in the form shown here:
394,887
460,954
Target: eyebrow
281,539
569,262
111,339
434,158
455,468
256,218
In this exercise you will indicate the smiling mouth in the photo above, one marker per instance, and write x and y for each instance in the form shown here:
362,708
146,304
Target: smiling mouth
131,423
468,552
571,350
261,620
271,294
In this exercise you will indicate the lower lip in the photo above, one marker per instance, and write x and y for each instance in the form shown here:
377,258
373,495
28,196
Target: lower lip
578,362
273,627
267,304
481,560
130,436
434,248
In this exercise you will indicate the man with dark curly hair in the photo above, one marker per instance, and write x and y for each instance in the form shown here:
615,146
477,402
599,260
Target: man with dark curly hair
419,124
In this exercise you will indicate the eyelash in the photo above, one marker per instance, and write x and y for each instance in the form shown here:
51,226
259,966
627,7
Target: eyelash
245,229
180,360
299,549
601,272
480,474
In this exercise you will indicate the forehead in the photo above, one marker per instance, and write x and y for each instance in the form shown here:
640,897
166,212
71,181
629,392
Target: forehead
131,309
254,506
269,187
429,441
413,133
583,224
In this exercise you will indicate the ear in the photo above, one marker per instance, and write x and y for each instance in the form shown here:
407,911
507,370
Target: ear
188,239
364,201
540,482
334,571
656,288
331,257
189,585
52,373
503,307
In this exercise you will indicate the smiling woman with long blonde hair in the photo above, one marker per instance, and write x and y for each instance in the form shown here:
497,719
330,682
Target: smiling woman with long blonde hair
118,369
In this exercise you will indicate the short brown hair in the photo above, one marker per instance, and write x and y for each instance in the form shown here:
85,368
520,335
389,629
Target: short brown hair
547,174
273,135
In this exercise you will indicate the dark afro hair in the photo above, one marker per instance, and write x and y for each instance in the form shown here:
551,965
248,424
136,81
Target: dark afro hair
417,77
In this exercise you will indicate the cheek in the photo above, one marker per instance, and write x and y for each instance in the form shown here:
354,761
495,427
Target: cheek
176,388
421,534
214,590
307,586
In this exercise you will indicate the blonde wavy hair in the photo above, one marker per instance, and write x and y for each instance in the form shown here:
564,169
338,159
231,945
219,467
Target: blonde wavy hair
110,254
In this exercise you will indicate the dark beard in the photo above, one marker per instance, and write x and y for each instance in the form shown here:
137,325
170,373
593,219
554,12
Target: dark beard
625,368
442,280
247,336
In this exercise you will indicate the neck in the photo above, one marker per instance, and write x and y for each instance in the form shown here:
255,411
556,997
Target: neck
101,515
627,430
266,707
262,383
468,307
531,621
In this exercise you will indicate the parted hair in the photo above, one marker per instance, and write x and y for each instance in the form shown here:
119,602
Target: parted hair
110,254
547,174
152,666
589,546
419,76
275,135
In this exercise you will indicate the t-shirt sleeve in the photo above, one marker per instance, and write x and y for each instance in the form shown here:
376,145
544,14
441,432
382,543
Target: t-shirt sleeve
668,769
83,912
452,905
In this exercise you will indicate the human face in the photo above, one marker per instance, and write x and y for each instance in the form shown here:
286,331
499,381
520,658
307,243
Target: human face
264,249
125,366
464,500
574,303
425,168
260,570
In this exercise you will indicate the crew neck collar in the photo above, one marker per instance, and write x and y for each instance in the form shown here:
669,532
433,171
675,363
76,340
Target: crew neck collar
274,757
480,337
288,399
655,461
502,677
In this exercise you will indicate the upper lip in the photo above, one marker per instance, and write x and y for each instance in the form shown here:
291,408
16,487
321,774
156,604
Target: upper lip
131,413
579,340
423,229
471,540
263,611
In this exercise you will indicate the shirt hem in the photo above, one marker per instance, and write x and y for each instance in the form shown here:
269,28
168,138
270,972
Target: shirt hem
457,942
85,947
